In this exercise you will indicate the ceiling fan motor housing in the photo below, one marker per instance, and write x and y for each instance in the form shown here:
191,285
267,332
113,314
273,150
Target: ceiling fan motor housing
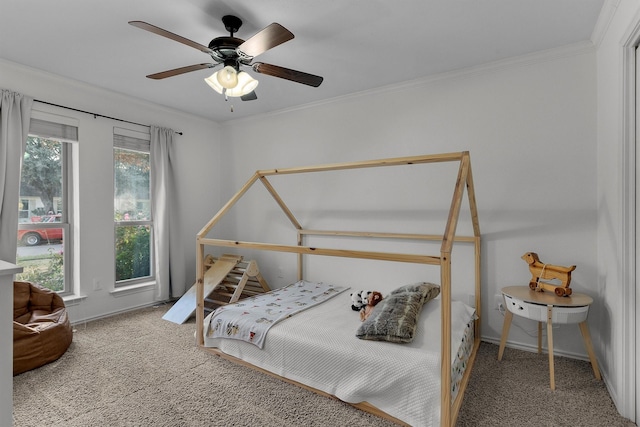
225,49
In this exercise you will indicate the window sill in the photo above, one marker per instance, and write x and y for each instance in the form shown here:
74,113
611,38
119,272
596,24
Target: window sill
122,291
71,300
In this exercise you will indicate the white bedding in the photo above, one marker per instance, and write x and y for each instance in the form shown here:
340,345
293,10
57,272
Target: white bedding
318,348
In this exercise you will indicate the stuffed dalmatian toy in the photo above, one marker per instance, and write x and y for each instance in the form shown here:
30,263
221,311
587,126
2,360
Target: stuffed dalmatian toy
359,300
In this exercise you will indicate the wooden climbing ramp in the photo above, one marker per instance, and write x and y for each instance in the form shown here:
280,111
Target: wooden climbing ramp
226,280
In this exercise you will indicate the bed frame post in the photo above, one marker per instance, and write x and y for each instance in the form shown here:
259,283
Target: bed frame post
445,361
199,294
300,258
478,307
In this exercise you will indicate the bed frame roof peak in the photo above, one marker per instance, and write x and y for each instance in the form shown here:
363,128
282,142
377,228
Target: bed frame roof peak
464,179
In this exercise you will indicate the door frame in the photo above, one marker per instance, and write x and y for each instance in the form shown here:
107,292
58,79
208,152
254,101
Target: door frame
630,221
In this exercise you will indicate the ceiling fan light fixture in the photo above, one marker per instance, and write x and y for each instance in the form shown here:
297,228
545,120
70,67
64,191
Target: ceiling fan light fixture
212,81
227,77
246,85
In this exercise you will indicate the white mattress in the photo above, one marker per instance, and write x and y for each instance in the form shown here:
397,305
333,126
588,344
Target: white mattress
318,348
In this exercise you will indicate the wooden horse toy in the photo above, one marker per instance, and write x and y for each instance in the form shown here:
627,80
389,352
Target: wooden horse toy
543,271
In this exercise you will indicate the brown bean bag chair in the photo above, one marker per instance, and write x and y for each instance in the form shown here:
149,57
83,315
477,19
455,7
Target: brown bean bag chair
41,328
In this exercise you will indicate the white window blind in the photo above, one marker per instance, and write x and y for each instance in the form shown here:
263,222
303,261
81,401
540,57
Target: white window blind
58,131
131,140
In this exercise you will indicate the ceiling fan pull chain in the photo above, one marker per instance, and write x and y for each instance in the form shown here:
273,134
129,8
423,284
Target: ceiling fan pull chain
226,98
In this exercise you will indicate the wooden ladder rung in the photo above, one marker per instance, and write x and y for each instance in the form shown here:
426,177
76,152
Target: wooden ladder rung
256,285
234,284
251,293
218,302
224,294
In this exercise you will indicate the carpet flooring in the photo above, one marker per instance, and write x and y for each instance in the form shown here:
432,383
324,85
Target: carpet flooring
136,369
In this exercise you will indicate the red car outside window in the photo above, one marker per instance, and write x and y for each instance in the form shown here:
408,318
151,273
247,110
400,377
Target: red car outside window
37,236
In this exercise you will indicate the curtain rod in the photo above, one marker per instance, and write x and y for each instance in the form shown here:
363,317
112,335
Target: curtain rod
95,114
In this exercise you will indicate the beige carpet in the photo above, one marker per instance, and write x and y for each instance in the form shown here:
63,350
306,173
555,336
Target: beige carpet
136,369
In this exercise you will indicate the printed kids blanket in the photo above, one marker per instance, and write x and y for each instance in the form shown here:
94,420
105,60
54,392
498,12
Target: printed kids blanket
250,319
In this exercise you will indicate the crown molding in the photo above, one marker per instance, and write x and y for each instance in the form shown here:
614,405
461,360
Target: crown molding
96,92
607,13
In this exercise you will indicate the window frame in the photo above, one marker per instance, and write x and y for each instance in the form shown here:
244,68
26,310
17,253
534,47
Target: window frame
126,139
64,131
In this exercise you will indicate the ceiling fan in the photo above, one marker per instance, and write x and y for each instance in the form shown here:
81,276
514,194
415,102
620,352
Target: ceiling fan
233,53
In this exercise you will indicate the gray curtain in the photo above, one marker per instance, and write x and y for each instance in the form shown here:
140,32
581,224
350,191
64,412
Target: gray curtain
15,114
169,254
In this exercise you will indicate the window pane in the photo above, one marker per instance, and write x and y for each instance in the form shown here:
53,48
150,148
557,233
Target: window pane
133,252
40,253
41,177
131,186
41,226
132,215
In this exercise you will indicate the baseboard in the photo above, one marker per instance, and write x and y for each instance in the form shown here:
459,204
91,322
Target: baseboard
115,313
534,349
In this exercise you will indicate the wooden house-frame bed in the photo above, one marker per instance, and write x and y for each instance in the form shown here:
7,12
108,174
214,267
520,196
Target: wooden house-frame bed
448,407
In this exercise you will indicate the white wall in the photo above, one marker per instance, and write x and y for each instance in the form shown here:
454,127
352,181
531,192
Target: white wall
530,125
614,335
197,167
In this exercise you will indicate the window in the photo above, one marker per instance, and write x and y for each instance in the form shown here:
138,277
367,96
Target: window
45,206
132,208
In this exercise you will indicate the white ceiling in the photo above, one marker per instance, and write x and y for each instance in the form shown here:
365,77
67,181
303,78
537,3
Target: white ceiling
356,45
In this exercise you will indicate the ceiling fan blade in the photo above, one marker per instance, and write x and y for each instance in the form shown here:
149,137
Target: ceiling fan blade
157,30
250,96
181,70
269,37
286,73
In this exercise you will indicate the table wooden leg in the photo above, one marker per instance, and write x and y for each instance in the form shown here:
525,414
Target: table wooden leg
550,343
539,337
505,332
586,336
